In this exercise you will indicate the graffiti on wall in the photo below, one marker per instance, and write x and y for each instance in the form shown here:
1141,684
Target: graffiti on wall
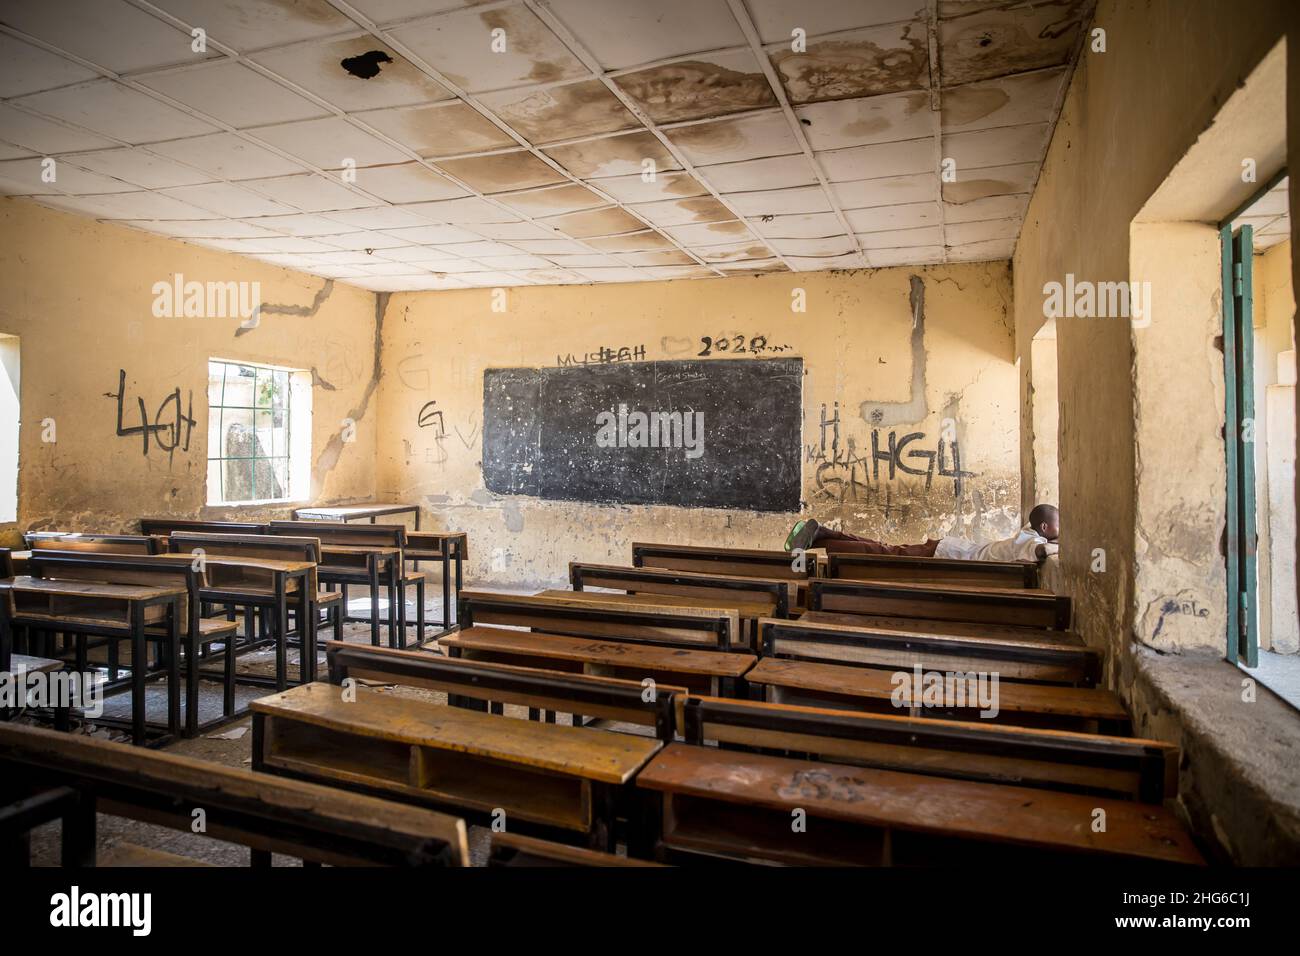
170,427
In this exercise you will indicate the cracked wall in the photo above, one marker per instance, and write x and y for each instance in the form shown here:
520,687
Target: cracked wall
80,295
860,339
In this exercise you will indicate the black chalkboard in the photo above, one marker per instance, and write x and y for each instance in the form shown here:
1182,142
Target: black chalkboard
540,433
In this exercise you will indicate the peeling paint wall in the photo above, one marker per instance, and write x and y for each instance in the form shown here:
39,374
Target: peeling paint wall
79,294
904,349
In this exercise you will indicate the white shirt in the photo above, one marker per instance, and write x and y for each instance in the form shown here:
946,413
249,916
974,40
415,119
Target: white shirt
1020,548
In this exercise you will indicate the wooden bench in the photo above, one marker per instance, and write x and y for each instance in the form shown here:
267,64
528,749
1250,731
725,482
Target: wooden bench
370,555
874,690
105,543
101,609
1112,766
489,686
918,570
709,802
163,527
196,631
563,781
751,597
444,547
741,562
22,664
1020,607
511,849
72,778
1014,658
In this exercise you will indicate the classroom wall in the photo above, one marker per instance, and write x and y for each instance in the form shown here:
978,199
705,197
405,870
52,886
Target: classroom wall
79,294
1129,115
855,338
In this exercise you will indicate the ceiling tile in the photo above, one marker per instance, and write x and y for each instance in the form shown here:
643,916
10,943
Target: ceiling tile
272,244
318,68
9,151
612,274
880,160
552,276
775,20
429,257
407,183
708,85
974,184
388,11
554,113
882,218
140,205
140,168
671,257
111,33
981,210
22,177
614,156
982,251
253,26
813,226
201,228
885,59
771,202
227,156
462,211
226,199
112,109
234,94
550,247
302,224
586,261
818,263
444,130
646,239
887,191
710,234
969,232
387,218
873,119
515,262
825,246
914,255
363,240
1003,146
459,45
735,140
502,172
901,238
43,135
997,42
774,173
328,143
515,231
553,200
29,69
477,249
678,212
610,221
308,192
1008,101
770,264
677,272
624,33
662,186
488,280
734,251
430,235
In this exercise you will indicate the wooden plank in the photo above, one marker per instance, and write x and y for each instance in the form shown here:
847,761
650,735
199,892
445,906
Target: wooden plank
747,609
919,570
568,751
916,625
894,801
613,654
91,589
513,849
712,560
1016,606
728,589
343,512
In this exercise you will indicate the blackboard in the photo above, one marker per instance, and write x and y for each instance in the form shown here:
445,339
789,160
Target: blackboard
540,429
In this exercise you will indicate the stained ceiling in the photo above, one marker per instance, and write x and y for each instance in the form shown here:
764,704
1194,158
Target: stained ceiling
439,144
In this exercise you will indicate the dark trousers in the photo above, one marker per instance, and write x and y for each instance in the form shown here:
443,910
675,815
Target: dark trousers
840,542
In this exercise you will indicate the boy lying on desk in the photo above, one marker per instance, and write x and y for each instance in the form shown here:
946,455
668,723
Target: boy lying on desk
1034,542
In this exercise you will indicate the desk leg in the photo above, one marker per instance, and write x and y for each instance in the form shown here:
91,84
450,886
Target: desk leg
137,674
79,836
228,678
446,588
281,633
400,575
6,644
307,654
174,671
394,591
419,612
374,600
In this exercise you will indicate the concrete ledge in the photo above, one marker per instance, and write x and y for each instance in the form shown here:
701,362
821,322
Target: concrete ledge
1239,786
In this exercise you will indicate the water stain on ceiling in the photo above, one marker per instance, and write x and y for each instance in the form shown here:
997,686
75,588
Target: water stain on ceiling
694,89
867,63
502,172
613,156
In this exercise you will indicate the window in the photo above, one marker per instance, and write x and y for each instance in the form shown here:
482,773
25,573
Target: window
8,427
259,433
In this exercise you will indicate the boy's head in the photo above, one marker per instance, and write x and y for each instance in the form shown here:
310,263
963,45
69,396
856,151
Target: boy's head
1046,520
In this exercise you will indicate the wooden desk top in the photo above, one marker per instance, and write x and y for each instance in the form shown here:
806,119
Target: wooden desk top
260,564
600,650
961,590
886,798
878,684
383,550
571,751
343,512
746,609
905,626
96,589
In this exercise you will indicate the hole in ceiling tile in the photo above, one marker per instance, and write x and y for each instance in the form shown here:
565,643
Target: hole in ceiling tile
365,66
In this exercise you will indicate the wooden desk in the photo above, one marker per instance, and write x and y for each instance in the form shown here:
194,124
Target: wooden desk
974,605
749,611
27,664
444,547
705,671
871,689
738,805
361,512
917,625
345,564
742,562
560,778
918,570
117,611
